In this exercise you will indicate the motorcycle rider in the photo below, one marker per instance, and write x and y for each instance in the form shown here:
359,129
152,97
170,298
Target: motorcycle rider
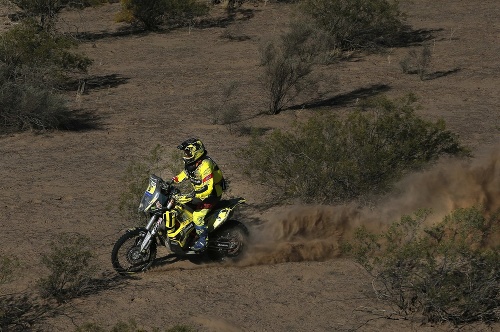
208,184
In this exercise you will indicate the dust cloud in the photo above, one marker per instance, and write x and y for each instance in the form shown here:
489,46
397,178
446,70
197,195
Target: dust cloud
316,232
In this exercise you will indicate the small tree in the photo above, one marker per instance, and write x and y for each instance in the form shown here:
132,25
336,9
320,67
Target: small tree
287,65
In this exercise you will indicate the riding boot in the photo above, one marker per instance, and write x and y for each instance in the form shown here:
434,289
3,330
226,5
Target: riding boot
201,243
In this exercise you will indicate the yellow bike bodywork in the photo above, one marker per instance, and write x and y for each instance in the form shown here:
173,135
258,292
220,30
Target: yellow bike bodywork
178,221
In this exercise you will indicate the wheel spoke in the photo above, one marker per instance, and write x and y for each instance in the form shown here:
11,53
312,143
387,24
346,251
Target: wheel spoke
229,244
127,257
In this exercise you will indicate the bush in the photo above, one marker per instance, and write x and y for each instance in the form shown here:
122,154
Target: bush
33,62
225,112
356,24
25,107
39,56
70,266
45,11
329,159
128,327
449,272
181,328
151,14
417,62
20,312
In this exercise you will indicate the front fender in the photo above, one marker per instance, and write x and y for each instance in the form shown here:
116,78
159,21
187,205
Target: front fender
134,229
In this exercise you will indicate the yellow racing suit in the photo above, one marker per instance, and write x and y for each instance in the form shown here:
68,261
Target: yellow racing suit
207,181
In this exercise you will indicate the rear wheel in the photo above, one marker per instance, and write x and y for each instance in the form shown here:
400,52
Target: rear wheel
228,242
127,257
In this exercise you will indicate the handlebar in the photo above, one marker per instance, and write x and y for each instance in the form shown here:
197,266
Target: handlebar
165,185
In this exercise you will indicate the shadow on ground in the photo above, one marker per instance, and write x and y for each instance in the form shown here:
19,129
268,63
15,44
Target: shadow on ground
346,98
81,120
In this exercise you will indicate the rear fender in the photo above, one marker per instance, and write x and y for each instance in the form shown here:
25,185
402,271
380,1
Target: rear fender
219,216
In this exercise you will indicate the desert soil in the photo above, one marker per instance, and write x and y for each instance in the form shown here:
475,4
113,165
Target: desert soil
154,88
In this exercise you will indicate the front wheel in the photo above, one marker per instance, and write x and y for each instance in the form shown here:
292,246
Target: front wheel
126,255
229,242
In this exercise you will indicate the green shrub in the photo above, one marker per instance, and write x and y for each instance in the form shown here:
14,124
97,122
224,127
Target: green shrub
356,24
71,267
25,107
329,158
225,112
449,272
181,328
39,56
90,327
131,326
33,62
151,14
230,116
118,327
185,10
417,62
46,11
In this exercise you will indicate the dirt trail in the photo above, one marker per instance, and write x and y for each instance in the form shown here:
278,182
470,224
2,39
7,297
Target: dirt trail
150,88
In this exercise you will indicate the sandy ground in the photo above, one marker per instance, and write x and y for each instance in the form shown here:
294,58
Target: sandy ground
153,88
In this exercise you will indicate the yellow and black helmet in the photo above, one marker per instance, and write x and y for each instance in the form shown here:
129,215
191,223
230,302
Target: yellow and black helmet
193,150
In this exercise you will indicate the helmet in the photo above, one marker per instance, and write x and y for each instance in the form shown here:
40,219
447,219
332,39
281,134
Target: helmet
193,150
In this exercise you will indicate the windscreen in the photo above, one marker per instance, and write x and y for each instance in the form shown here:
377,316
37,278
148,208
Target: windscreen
150,195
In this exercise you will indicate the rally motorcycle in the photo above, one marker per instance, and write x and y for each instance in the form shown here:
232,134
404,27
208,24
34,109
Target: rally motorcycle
171,225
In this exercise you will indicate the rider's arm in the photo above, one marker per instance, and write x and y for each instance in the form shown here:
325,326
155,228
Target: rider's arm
180,177
206,187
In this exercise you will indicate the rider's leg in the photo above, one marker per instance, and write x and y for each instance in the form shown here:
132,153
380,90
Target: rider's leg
201,228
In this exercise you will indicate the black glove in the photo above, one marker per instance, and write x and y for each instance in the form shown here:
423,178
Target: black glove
183,199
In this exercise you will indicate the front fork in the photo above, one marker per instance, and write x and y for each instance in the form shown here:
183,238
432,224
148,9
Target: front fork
152,228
